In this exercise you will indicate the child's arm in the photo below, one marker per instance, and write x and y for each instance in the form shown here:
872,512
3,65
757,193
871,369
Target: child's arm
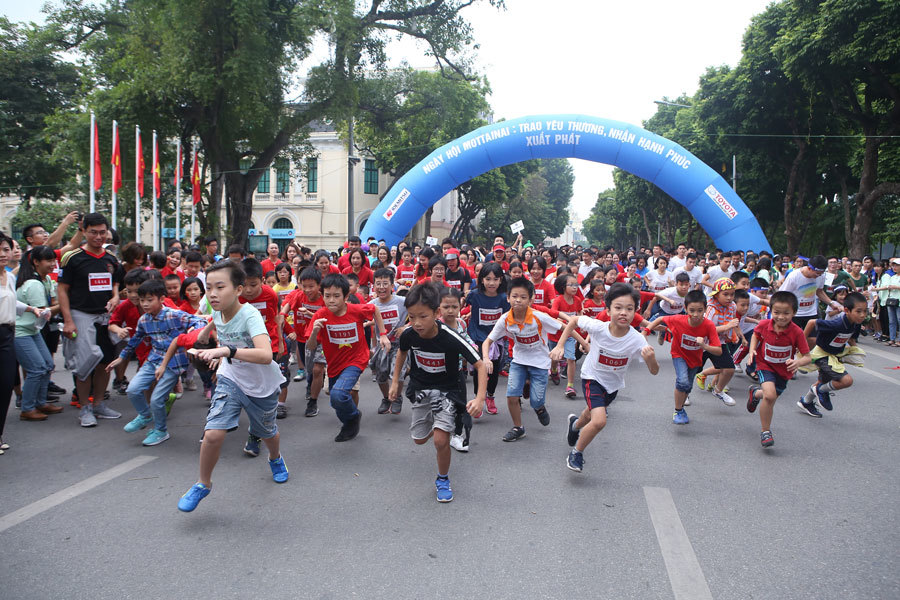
128,351
203,336
585,347
729,325
653,326
260,353
754,342
557,352
121,332
649,357
793,364
810,327
394,392
313,340
170,352
475,406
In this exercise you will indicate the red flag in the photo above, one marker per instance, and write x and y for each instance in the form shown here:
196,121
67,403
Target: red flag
98,179
140,173
177,167
116,162
156,170
195,179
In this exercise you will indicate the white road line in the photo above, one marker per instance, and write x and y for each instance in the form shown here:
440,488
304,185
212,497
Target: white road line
55,499
685,575
882,376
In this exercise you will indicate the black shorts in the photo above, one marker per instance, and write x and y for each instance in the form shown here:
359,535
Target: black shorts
284,364
723,361
802,321
826,373
595,395
766,376
106,344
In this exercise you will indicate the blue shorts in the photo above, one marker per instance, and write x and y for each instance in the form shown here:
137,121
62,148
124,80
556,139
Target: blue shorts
596,395
568,349
227,402
516,383
770,376
684,375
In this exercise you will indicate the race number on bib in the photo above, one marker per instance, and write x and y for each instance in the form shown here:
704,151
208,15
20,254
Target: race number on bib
840,340
390,316
261,307
609,361
528,340
100,282
342,334
431,362
690,342
489,316
776,354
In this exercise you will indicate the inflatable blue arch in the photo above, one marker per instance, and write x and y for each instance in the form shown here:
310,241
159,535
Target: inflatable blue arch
697,187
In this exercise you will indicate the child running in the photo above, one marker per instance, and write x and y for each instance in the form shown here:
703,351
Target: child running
303,304
247,379
451,303
393,315
612,346
773,347
486,303
722,311
436,392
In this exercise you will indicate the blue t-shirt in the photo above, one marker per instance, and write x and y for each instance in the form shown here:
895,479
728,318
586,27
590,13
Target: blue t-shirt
486,312
832,335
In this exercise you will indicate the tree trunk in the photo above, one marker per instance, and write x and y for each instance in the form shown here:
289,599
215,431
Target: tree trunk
868,196
240,197
792,204
647,227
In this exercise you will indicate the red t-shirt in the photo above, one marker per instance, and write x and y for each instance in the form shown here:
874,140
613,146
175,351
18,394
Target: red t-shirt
127,314
562,307
186,307
591,308
171,303
686,339
267,305
343,262
406,275
776,348
343,338
544,294
268,265
166,271
366,276
297,300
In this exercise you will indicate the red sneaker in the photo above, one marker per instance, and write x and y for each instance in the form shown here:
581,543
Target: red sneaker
490,406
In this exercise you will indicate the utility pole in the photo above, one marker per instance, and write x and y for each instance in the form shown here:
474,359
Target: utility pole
734,172
351,162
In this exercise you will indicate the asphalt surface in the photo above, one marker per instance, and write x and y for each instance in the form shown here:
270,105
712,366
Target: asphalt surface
814,517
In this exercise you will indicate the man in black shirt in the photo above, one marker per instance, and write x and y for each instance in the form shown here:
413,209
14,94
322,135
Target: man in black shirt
435,388
88,292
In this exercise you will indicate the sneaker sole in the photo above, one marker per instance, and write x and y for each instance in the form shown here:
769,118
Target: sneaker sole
107,417
311,414
444,500
155,443
571,468
569,431
248,453
806,412
768,444
516,439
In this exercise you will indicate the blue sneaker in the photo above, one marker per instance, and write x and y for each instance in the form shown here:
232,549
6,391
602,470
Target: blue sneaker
251,448
572,433
192,497
575,461
680,417
300,376
279,471
824,397
444,493
155,437
137,423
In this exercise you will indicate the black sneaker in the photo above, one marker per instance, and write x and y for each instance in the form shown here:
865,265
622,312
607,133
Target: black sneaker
514,434
396,406
349,430
572,433
312,407
824,397
752,402
385,406
766,439
251,447
54,389
809,409
543,416
575,460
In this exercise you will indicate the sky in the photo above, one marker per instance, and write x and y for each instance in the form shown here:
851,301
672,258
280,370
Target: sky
599,58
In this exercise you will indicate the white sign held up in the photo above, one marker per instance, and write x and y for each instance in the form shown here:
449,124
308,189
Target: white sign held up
431,241
517,226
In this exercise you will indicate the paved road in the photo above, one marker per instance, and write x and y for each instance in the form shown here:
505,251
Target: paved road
661,511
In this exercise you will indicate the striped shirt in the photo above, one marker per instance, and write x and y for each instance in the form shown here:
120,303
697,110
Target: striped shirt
162,328
721,314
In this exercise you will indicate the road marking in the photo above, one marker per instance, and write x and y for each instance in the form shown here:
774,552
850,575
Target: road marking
55,499
872,349
685,575
882,376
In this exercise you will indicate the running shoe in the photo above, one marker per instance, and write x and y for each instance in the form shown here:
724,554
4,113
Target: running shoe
155,437
700,380
542,415
312,407
137,423
725,398
680,417
809,408
279,470
102,411
54,389
458,443
570,392
575,460
572,433
490,406
74,401
824,397
514,434
766,439
385,406
752,401
192,497
170,401
661,337
300,376
806,369
251,447
281,411
442,486
86,417
554,377
687,402
396,406
208,395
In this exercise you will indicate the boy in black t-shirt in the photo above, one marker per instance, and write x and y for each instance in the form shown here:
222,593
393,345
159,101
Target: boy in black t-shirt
435,390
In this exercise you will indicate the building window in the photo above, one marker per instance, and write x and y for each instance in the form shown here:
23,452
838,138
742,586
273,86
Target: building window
312,175
263,186
282,176
371,177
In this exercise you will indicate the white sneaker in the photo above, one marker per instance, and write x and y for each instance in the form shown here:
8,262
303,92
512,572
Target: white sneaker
102,411
191,385
458,444
87,417
728,400
687,401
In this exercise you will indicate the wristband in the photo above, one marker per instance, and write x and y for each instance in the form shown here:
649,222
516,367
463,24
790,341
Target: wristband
232,350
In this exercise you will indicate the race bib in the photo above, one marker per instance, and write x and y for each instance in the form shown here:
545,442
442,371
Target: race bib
489,316
431,362
261,307
593,311
539,296
283,293
454,283
840,340
390,316
100,282
776,354
807,302
342,334
690,342
608,361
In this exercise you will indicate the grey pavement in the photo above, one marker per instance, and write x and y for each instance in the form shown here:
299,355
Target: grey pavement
814,517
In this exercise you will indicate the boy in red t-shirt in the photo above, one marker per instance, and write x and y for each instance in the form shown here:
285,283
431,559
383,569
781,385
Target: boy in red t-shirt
775,344
123,323
693,336
339,328
304,303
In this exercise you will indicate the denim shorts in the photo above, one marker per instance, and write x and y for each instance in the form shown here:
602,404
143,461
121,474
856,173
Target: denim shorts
684,375
227,402
595,395
765,376
568,349
516,383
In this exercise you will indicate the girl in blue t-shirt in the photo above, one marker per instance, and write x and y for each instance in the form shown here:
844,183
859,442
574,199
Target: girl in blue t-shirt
486,304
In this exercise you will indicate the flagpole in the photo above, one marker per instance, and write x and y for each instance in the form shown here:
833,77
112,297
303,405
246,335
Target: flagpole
154,215
137,173
193,209
114,182
93,123
178,189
